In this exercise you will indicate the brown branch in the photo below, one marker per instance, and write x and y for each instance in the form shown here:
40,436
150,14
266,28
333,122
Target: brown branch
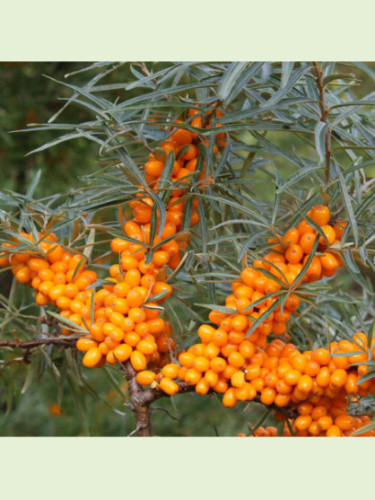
37,342
323,118
141,399
368,184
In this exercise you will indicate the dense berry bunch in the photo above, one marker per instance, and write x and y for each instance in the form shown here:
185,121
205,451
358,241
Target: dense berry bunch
343,425
123,319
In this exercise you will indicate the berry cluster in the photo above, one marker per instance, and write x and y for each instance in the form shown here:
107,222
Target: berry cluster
123,318
58,276
343,425
280,270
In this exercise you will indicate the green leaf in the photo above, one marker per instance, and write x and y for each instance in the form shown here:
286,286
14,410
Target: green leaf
232,74
262,318
347,203
321,130
286,88
297,177
365,428
367,376
215,307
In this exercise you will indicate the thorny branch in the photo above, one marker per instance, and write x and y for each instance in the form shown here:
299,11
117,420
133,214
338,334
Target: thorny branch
323,118
19,344
141,400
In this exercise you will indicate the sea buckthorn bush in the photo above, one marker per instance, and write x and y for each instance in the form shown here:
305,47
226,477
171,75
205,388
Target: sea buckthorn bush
223,248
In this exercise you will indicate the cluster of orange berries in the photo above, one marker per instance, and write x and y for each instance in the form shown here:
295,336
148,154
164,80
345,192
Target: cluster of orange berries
246,369
57,277
122,321
344,425
285,262
317,382
119,325
127,323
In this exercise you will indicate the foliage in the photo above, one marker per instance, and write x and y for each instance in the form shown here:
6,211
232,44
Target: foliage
297,134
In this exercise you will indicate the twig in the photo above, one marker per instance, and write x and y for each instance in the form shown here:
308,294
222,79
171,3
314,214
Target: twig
160,408
141,400
147,72
323,118
37,342
368,184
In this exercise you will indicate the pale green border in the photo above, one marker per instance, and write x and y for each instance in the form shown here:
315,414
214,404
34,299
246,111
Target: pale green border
186,468
83,30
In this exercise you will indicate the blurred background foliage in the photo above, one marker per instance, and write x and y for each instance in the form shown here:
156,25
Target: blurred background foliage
28,96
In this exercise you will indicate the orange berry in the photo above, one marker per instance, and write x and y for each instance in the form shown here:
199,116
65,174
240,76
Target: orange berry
330,235
202,387
247,349
138,360
206,333
132,277
145,377
229,398
192,376
220,337
23,275
351,386
182,137
146,347
248,276
321,215
133,299
292,302
339,228
211,378
156,325
154,168
344,422
56,291
329,261
292,377
267,396
305,384
307,242
321,356
168,386
71,290
304,227
119,245
161,287
294,254
333,431
201,364
137,315
305,408
238,379
239,322
303,422
160,258
291,237
323,377
282,400
170,370
217,364
36,264
84,344
92,357
236,359
338,378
